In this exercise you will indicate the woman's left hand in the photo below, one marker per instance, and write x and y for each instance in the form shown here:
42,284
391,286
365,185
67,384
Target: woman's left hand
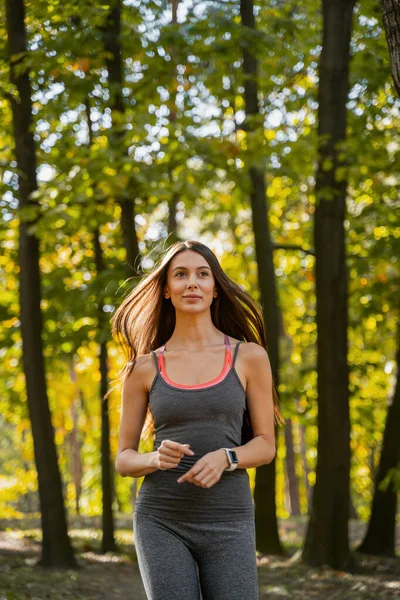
207,470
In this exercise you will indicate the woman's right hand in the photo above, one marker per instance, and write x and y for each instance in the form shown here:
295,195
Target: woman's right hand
169,454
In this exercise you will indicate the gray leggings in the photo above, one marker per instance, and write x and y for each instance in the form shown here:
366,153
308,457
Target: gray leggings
178,560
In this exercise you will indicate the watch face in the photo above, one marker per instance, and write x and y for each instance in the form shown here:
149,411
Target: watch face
233,456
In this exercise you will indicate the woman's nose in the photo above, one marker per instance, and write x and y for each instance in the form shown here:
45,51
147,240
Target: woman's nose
192,280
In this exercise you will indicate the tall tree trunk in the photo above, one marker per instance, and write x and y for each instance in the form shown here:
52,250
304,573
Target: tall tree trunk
352,509
306,470
380,538
75,446
391,23
112,45
107,470
327,535
264,495
293,484
57,550
172,226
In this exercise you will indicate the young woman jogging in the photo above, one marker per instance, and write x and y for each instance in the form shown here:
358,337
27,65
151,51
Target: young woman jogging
199,379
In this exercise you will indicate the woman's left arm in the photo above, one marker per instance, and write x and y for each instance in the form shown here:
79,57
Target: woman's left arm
261,449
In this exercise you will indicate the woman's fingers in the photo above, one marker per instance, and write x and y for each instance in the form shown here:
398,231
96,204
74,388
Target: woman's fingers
204,476
171,452
175,449
197,475
208,480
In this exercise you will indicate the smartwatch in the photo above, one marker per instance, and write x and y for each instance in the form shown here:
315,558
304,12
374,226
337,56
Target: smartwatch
233,459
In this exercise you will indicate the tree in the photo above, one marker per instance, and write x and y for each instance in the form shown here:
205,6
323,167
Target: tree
264,495
112,45
391,23
327,535
380,537
56,546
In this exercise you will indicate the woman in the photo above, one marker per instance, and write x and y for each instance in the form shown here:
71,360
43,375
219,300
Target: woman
194,517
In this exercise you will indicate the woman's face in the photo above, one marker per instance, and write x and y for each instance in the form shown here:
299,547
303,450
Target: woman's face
190,274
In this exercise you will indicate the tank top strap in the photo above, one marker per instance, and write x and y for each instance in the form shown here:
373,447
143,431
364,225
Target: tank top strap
155,360
160,360
228,351
236,351
227,342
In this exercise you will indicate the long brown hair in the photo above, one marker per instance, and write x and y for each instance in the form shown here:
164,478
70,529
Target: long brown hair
145,320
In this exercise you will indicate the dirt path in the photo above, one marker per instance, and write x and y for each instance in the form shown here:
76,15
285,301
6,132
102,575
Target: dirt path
116,576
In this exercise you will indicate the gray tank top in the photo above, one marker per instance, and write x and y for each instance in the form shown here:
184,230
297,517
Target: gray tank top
208,417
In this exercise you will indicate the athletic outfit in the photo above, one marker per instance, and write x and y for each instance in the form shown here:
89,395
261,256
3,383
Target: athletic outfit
182,527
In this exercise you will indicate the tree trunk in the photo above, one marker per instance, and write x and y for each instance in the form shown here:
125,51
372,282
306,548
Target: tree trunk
75,446
306,471
327,535
172,226
293,484
107,470
391,23
380,538
352,509
267,534
112,45
57,550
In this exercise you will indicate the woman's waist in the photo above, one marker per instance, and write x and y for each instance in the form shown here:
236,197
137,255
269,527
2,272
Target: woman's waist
160,492
168,478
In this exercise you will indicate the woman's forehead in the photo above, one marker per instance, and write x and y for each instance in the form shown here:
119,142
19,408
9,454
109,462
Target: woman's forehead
189,259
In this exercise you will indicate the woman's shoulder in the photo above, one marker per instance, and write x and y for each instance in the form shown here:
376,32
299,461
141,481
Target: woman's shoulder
143,362
144,368
252,351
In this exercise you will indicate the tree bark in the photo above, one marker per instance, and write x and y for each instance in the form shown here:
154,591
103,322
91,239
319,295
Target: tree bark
267,534
306,470
57,550
172,226
112,45
75,446
380,538
107,469
327,535
293,484
391,23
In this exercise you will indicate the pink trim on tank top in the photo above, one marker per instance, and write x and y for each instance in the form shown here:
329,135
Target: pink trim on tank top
221,376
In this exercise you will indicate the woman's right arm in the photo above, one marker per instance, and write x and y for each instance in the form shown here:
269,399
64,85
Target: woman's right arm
129,462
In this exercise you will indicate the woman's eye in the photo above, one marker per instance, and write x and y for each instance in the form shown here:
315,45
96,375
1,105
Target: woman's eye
201,273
